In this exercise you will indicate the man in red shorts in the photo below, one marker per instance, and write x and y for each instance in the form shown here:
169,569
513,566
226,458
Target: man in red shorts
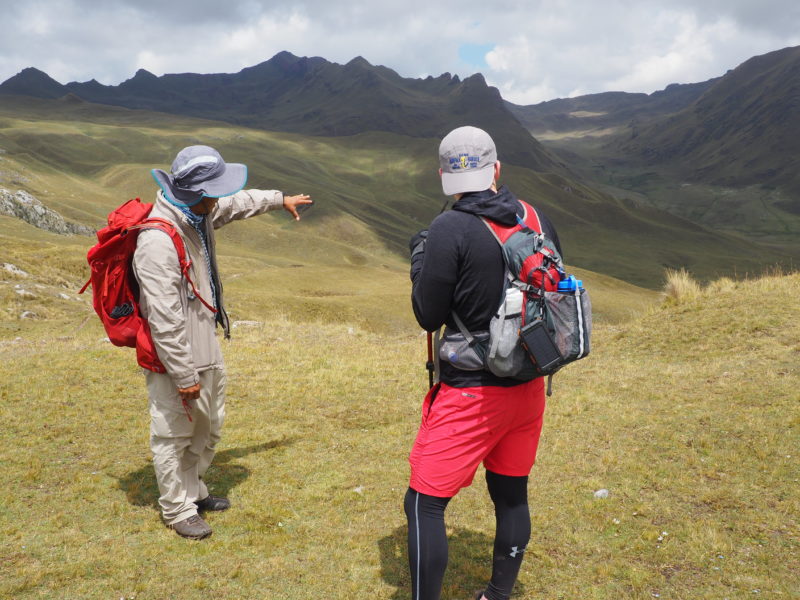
471,416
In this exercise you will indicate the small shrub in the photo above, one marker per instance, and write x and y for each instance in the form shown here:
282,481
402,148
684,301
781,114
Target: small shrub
680,286
721,286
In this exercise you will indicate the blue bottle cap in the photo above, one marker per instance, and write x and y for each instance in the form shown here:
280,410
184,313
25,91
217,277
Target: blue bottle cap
568,285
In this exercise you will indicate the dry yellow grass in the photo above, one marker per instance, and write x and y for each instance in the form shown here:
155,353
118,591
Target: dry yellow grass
687,415
680,286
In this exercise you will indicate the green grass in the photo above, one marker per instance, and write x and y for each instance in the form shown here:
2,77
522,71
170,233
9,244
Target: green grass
686,413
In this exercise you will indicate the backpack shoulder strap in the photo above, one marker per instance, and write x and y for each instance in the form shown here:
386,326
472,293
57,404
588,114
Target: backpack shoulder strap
501,233
185,264
531,217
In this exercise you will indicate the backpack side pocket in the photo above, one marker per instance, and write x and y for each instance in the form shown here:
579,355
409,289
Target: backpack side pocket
571,318
464,352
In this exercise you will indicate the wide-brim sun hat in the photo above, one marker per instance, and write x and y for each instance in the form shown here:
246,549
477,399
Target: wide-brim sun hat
467,156
198,172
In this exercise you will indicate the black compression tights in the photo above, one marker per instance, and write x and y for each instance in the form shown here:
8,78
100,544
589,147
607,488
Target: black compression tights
427,538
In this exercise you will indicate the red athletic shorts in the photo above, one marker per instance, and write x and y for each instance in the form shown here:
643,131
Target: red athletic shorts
462,427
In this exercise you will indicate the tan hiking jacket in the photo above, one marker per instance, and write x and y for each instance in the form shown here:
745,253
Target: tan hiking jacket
183,329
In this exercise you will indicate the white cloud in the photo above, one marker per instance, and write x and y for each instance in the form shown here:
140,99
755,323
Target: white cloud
238,47
688,57
542,48
617,46
517,69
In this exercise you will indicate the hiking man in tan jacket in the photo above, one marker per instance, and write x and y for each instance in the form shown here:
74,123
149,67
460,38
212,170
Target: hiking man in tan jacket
187,403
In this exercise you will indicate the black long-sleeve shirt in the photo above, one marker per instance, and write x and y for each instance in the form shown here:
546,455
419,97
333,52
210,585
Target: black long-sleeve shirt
462,270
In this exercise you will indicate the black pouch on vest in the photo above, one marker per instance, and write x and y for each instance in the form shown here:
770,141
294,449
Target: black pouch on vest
536,339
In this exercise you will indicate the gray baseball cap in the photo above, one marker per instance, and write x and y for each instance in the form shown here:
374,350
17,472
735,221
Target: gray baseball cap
199,171
467,156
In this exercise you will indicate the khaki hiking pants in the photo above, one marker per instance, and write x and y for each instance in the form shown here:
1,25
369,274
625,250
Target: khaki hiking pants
183,449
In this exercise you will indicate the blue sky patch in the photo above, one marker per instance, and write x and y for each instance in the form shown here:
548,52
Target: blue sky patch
475,54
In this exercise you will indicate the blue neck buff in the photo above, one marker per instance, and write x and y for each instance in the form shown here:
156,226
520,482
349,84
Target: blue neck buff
194,219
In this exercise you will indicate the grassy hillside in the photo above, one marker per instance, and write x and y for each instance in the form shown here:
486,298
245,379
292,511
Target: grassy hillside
739,132
684,411
372,191
686,414
724,159
764,214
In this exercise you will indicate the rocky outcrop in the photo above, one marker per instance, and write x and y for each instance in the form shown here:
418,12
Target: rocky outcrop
23,205
13,269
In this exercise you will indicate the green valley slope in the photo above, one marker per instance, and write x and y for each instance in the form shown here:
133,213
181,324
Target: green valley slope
372,191
741,131
721,154
598,114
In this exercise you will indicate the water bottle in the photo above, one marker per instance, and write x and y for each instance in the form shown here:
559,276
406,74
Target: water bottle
513,301
568,285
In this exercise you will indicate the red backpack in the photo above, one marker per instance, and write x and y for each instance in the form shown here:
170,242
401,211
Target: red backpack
115,291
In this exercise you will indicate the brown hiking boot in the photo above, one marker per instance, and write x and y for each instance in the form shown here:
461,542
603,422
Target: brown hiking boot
213,503
193,528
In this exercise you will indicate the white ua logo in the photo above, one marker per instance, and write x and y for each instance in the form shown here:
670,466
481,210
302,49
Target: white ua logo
516,550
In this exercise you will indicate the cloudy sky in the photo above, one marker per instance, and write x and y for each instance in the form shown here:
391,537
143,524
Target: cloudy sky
532,50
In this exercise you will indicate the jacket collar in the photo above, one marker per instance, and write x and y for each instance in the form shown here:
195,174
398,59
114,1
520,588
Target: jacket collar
501,206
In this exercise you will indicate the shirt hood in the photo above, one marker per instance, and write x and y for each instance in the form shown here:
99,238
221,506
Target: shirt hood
501,206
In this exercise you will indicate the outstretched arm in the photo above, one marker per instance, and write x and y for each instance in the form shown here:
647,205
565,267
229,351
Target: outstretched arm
249,203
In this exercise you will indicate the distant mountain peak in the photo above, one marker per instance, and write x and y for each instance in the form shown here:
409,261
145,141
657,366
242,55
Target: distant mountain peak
477,80
33,82
144,74
284,55
282,59
32,74
32,71
359,61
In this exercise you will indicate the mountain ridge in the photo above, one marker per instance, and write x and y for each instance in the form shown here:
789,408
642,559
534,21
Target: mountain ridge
312,96
606,109
747,118
721,153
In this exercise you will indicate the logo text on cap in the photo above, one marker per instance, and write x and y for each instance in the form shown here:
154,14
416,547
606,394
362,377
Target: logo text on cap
464,161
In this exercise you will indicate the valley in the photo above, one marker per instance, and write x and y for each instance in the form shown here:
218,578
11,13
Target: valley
685,412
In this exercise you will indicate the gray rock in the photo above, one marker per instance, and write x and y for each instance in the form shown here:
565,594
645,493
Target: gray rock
237,324
28,208
24,293
13,269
